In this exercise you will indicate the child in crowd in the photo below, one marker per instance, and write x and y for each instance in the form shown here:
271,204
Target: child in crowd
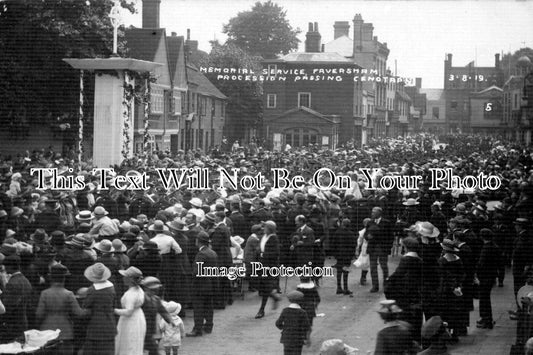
294,325
171,333
311,299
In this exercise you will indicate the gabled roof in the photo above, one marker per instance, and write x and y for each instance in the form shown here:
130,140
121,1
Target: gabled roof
305,109
403,95
205,87
433,94
489,89
342,45
514,79
143,43
174,45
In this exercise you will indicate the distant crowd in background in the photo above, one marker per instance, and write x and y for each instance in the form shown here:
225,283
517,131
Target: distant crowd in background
115,270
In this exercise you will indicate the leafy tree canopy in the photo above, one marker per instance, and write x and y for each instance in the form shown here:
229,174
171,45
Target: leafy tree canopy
509,61
263,31
35,35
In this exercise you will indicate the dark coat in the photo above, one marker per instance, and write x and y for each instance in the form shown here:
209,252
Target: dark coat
294,325
344,244
269,258
382,238
490,259
16,298
240,225
76,260
221,244
304,252
48,220
406,280
522,252
394,340
101,324
204,285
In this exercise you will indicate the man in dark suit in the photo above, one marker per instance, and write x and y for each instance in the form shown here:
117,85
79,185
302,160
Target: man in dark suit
522,252
16,299
380,239
268,257
240,226
303,241
486,271
221,243
202,287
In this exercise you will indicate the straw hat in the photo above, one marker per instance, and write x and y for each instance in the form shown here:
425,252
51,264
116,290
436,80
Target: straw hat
131,272
84,216
389,306
427,229
151,283
196,202
105,246
97,273
411,202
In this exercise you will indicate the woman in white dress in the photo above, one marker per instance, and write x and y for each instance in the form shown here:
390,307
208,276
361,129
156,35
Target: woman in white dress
131,327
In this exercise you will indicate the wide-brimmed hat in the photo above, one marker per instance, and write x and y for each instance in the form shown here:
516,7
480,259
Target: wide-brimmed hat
294,296
449,245
427,229
100,211
196,202
172,307
97,273
40,236
84,216
158,226
521,221
151,283
105,246
460,208
431,327
131,272
77,241
388,307
177,225
129,237
59,270
118,246
336,347
411,202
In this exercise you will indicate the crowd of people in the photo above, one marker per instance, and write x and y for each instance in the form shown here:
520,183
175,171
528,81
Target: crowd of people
114,270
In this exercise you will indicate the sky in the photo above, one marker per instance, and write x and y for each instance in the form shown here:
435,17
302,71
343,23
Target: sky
418,33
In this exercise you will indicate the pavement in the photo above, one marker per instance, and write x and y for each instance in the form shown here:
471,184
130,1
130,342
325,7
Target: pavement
354,320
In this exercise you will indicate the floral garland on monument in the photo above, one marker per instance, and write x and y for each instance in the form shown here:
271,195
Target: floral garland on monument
80,123
127,98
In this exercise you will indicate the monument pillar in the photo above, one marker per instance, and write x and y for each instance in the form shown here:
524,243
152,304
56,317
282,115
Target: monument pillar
111,126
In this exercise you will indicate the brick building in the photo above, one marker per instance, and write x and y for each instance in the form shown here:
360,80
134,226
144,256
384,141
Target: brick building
460,83
434,119
318,109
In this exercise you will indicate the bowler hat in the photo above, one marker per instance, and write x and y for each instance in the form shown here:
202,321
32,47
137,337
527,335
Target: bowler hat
158,226
97,273
203,237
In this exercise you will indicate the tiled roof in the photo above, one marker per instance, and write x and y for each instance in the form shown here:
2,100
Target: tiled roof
314,57
205,87
142,43
174,44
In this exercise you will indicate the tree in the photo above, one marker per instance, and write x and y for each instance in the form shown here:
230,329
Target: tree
509,61
244,108
34,38
263,31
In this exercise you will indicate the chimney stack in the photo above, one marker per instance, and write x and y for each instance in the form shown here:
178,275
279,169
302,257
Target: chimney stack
418,83
341,28
188,34
313,39
497,60
368,31
357,33
151,13
173,34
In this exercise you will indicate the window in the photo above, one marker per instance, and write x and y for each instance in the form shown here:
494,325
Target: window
176,103
271,101
435,113
515,105
304,99
156,99
453,105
